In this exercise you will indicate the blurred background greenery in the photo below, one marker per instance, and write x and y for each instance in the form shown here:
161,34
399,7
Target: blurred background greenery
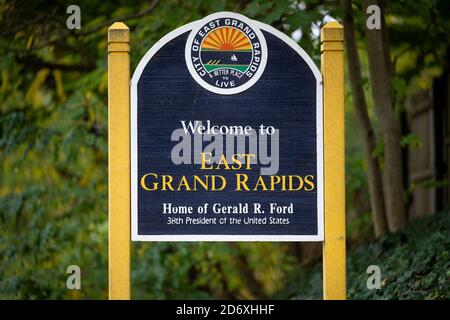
53,155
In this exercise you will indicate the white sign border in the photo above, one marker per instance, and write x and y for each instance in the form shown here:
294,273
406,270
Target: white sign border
217,237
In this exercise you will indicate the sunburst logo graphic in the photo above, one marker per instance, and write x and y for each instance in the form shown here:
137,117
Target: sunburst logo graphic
226,47
226,53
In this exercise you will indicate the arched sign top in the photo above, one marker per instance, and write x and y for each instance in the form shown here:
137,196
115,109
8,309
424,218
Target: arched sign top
196,26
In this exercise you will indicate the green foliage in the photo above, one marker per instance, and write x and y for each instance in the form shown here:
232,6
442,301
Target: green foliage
208,270
53,155
399,86
411,141
414,264
360,229
359,223
53,151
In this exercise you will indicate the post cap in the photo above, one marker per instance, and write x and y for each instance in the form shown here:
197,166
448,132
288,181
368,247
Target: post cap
118,32
332,31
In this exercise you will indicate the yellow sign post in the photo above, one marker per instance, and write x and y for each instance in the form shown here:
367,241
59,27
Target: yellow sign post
334,256
334,265
119,161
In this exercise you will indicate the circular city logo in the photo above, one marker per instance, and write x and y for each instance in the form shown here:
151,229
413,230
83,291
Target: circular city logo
226,53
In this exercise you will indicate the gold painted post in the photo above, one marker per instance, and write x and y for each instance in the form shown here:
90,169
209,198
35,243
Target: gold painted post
119,161
334,258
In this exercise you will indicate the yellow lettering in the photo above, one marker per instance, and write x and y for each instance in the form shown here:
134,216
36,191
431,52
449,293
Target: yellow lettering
260,182
167,183
213,182
204,184
144,185
204,161
248,161
237,164
184,183
309,182
291,187
223,160
274,180
241,182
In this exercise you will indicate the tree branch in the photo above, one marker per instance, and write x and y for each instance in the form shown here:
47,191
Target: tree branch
123,18
37,64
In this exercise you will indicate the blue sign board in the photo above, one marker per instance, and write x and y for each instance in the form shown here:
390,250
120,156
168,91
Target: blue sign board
226,136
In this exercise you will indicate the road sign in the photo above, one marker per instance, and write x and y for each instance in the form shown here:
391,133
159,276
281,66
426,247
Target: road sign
226,136
239,83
